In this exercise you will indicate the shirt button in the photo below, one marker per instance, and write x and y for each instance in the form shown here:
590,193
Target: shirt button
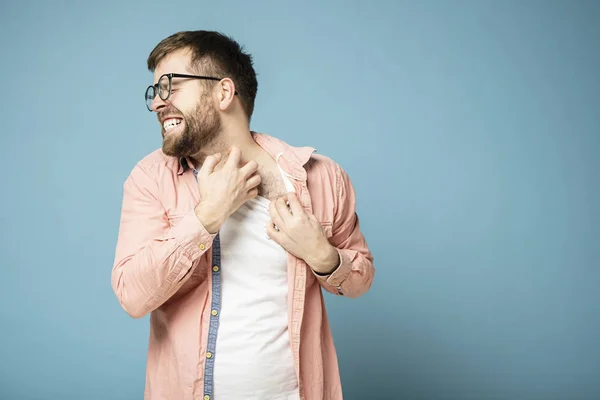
201,246
214,312
209,355
207,397
216,268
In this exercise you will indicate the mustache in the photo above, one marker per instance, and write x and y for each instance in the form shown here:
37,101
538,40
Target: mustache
169,113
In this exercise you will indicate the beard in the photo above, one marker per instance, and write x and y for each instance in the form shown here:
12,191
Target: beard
201,128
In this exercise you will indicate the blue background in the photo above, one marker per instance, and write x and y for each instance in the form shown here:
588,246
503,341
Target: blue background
471,130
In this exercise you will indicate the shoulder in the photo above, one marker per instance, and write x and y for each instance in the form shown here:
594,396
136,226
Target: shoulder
321,161
155,165
322,166
325,178
158,160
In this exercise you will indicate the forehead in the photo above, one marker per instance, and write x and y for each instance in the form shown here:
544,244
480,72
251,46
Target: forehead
175,62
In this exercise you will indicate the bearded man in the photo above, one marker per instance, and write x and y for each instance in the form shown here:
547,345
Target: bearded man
228,238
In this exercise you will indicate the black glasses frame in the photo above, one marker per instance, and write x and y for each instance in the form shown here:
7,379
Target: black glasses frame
153,90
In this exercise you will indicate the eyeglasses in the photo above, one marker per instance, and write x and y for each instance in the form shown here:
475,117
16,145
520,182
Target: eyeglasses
165,84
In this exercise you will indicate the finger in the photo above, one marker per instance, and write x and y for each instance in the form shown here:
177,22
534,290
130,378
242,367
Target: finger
220,163
294,203
275,216
209,164
253,193
234,157
272,232
249,168
253,181
282,207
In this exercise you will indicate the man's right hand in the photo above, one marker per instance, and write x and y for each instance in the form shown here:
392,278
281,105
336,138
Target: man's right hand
223,191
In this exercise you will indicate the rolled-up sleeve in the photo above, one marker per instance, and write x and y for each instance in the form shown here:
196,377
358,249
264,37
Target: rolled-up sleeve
354,275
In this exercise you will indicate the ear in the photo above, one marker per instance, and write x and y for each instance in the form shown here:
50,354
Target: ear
226,93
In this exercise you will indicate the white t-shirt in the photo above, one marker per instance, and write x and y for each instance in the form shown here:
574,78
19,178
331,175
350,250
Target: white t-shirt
253,358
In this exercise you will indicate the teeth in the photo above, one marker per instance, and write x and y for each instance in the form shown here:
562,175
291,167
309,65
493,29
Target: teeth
171,123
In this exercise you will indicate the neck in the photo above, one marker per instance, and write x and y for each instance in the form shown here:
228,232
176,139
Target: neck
239,137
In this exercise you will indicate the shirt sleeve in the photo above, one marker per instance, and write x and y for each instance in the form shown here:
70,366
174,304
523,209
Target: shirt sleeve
354,275
153,259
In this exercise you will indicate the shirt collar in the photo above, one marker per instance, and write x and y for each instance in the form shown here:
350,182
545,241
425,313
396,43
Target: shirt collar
290,158
183,166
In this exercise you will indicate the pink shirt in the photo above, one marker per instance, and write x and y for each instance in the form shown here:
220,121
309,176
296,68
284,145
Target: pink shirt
163,266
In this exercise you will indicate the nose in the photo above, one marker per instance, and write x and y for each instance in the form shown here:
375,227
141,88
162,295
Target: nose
157,104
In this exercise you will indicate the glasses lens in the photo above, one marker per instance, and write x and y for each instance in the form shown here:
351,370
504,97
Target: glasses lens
164,87
150,95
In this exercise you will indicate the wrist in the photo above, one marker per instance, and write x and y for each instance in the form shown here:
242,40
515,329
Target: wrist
326,261
208,218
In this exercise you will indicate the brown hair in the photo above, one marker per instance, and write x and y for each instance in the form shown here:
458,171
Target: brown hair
213,53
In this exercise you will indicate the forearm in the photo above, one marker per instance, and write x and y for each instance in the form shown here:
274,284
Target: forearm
146,277
211,218
324,259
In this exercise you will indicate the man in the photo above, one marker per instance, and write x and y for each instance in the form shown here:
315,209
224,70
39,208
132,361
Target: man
227,237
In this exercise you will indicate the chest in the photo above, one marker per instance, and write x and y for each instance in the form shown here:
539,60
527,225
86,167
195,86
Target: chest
181,195
273,184
246,247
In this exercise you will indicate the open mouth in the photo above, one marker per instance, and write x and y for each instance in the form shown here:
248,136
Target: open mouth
171,123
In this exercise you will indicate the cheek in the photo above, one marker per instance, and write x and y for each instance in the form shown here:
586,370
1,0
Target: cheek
184,101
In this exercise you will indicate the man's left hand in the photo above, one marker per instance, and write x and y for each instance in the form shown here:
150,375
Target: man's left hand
301,234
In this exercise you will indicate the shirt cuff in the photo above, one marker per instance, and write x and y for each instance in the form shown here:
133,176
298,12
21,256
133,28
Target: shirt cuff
192,236
342,271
